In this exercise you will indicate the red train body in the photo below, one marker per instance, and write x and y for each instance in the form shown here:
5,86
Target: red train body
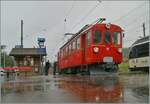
96,44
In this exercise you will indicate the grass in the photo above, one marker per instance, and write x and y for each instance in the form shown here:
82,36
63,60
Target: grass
123,68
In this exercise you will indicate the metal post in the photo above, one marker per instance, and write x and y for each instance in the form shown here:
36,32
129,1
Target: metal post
22,33
144,29
40,65
0,50
4,59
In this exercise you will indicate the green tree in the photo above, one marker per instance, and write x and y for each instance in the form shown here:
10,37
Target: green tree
9,60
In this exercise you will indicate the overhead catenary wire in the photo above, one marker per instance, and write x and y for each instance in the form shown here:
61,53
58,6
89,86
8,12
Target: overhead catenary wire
86,15
72,6
128,13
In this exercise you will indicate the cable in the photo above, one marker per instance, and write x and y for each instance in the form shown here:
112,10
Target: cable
73,4
135,20
129,12
87,14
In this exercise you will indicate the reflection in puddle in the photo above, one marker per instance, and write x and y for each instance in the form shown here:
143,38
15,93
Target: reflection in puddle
95,89
141,92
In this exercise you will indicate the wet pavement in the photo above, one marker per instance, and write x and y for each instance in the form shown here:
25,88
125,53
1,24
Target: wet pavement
77,89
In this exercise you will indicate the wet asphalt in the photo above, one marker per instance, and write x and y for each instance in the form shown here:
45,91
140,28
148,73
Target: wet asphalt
77,89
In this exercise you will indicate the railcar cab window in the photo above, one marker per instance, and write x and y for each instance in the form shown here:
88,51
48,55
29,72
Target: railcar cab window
88,38
116,38
97,37
107,37
78,43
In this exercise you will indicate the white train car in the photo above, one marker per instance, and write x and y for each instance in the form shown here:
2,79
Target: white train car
139,55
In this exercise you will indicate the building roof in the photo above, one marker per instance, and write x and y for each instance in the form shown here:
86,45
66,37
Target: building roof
28,51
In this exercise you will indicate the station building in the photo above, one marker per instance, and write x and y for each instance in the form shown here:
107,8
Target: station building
33,57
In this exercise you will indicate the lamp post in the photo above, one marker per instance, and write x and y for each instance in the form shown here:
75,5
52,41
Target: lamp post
41,45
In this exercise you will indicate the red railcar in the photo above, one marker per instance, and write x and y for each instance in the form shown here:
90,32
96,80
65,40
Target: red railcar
95,47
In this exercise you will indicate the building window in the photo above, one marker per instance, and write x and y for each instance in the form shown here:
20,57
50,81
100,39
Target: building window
97,37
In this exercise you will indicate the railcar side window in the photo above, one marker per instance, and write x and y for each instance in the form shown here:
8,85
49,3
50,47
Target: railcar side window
107,37
143,50
74,45
66,51
97,37
63,52
133,53
78,43
116,38
69,48
88,38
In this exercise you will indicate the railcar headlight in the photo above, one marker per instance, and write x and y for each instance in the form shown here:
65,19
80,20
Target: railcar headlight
120,50
96,49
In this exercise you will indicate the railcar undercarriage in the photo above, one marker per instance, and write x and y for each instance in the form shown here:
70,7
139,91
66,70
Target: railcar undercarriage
92,69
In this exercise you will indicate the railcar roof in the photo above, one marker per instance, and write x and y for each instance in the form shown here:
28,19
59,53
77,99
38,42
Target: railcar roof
144,39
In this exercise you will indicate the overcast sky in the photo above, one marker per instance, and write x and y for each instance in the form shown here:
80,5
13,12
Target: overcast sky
46,19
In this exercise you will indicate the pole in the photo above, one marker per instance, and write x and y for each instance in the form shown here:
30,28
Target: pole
0,49
4,59
22,33
144,29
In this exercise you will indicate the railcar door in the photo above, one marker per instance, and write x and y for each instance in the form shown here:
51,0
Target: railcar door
83,40
107,42
87,46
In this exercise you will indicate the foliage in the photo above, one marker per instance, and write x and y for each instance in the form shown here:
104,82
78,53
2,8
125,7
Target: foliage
9,61
123,67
